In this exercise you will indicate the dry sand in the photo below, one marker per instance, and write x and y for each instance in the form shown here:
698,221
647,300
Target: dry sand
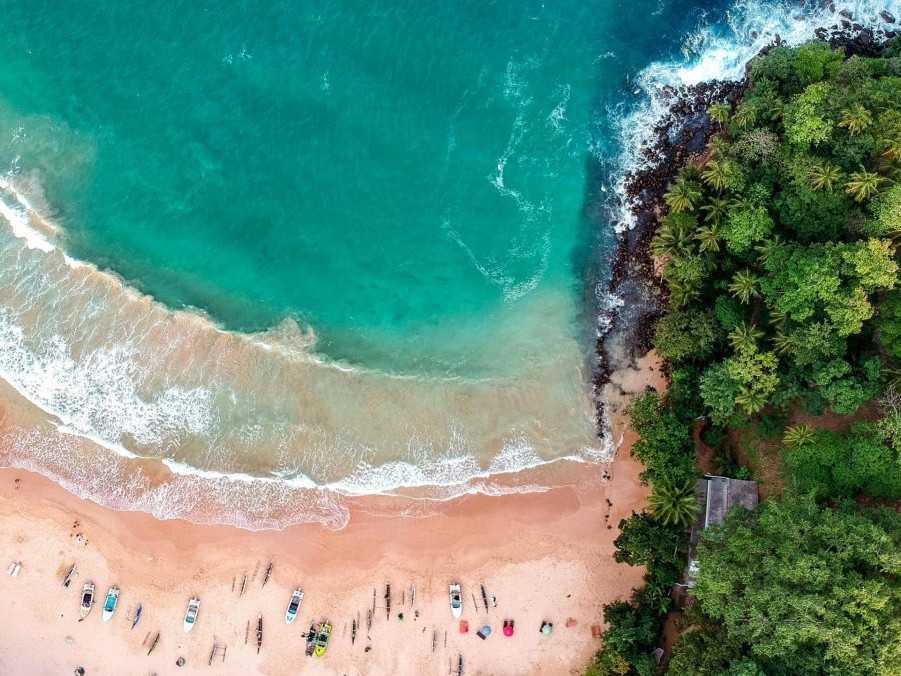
544,556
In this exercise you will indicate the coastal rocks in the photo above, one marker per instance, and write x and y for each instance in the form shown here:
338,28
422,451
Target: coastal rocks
853,36
680,136
855,39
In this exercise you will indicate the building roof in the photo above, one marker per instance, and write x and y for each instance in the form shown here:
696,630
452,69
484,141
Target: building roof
716,496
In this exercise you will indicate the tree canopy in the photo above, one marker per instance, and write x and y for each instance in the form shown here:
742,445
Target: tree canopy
801,588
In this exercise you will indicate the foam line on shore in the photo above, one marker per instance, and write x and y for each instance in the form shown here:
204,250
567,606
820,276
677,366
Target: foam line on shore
714,51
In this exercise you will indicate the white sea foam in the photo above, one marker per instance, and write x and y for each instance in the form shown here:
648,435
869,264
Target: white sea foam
719,50
96,395
101,394
252,503
557,116
18,217
99,359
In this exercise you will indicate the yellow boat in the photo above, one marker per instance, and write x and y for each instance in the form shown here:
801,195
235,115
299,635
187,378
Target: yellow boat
322,638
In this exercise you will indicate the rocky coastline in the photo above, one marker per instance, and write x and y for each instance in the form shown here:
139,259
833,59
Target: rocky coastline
682,133
679,136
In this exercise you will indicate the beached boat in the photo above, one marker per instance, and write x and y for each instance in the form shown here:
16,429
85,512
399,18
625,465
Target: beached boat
137,617
311,640
456,600
87,599
109,606
70,575
293,606
322,638
191,613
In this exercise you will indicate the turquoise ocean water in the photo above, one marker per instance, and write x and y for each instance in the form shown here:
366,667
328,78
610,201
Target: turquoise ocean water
259,255
393,175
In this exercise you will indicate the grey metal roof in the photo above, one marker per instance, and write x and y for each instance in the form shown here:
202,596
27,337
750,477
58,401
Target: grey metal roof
716,496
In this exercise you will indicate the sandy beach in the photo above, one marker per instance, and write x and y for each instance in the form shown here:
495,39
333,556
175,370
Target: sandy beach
542,556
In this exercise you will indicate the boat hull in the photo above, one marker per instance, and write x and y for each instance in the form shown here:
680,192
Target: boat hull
456,600
110,604
292,611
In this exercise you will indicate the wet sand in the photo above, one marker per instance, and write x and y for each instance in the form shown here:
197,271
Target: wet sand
544,556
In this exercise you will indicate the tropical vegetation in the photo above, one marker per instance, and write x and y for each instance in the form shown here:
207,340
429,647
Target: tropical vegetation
782,335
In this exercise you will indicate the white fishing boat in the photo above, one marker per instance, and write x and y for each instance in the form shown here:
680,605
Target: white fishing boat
456,600
294,606
191,613
87,599
109,606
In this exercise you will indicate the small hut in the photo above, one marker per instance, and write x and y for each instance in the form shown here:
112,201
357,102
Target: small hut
716,495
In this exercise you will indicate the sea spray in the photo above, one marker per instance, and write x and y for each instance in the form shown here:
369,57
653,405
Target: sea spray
720,49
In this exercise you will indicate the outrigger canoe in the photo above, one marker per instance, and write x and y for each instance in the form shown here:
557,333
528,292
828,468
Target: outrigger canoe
137,617
87,599
322,638
109,606
70,575
293,606
191,613
456,600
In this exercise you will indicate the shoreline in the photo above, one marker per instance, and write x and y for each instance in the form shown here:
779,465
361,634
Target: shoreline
632,285
680,132
559,566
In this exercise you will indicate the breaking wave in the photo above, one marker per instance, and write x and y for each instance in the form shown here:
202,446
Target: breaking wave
141,408
719,50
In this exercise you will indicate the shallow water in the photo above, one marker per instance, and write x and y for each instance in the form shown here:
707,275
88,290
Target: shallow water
340,244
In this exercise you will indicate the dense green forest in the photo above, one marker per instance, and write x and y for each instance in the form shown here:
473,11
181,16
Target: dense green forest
782,333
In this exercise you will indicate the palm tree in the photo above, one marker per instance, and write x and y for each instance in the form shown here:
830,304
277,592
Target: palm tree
863,184
798,435
745,336
892,148
682,293
673,236
715,210
767,248
744,286
708,238
720,112
856,120
778,317
682,196
745,115
719,173
751,400
742,203
672,503
717,147
783,343
824,176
